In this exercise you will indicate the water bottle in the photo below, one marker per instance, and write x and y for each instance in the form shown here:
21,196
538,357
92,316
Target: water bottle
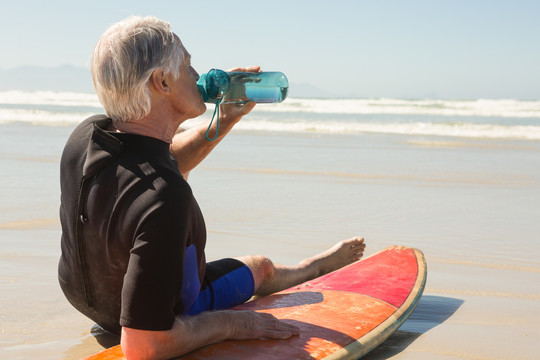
240,87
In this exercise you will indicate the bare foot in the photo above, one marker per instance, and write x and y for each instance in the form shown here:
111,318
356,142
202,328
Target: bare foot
270,278
343,253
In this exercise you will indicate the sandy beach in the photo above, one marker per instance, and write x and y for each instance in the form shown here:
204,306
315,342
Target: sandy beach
470,204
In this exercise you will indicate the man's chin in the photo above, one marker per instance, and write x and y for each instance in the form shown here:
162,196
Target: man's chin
203,109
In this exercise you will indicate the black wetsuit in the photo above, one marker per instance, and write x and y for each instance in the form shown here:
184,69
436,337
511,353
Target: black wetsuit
133,235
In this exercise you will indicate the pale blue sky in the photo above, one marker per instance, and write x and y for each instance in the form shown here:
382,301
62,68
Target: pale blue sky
402,49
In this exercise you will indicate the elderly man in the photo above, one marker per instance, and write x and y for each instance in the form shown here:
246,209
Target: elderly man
133,236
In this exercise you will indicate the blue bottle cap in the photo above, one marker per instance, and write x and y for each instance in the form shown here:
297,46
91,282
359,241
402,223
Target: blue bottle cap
217,83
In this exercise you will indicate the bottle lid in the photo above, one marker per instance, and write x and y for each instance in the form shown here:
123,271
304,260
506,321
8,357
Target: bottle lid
217,83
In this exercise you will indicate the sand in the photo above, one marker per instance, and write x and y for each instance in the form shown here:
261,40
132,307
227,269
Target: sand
470,205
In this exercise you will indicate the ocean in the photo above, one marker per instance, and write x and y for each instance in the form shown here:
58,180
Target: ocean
485,119
458,179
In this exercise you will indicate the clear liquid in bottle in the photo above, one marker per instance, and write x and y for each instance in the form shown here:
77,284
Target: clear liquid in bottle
241,87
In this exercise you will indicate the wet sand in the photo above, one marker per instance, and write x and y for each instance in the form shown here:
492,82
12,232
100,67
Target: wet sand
469,205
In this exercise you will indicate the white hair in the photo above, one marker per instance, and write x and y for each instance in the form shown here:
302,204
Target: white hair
125,57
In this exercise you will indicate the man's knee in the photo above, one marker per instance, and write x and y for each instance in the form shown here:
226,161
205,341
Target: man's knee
267,268
262,269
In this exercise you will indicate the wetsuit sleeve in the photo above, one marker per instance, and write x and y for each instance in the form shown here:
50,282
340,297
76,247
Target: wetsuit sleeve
152,284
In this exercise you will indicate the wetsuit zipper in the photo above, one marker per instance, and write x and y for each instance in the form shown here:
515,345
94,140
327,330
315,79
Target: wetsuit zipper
80,220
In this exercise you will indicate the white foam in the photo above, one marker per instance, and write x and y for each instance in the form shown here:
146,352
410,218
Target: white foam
443,116
41,117
482,108
467,130
15,97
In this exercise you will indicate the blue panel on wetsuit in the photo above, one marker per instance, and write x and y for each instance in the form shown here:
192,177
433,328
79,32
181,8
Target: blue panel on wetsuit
190,282
234,288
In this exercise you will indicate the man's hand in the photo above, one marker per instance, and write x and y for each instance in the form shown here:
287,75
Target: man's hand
253,325
230,114
246,69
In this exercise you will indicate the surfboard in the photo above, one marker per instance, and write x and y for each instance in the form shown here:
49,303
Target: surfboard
341,315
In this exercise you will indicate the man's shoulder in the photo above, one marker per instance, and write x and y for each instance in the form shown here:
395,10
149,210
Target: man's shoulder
172,186
82,134
86,127
89,144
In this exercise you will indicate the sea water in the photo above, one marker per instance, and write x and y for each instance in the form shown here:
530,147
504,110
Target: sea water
459,179
484,119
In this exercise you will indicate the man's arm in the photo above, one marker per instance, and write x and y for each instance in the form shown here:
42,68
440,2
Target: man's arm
190,147
190,333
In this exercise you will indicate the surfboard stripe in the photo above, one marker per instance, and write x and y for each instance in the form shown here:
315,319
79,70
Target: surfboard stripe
378,273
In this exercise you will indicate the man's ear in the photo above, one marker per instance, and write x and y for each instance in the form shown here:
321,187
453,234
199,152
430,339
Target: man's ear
160,81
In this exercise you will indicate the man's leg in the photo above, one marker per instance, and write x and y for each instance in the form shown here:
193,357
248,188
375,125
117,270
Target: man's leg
270,278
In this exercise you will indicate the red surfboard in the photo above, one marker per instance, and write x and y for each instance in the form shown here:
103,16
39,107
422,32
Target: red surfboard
341,315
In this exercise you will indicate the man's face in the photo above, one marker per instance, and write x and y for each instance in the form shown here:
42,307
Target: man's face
187,98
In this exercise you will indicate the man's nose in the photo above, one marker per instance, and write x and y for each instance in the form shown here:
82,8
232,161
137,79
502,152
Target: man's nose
195,73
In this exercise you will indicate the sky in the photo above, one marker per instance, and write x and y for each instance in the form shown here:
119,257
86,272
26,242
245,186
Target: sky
454,49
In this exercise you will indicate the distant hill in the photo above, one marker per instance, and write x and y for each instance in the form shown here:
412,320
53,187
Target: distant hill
76,79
